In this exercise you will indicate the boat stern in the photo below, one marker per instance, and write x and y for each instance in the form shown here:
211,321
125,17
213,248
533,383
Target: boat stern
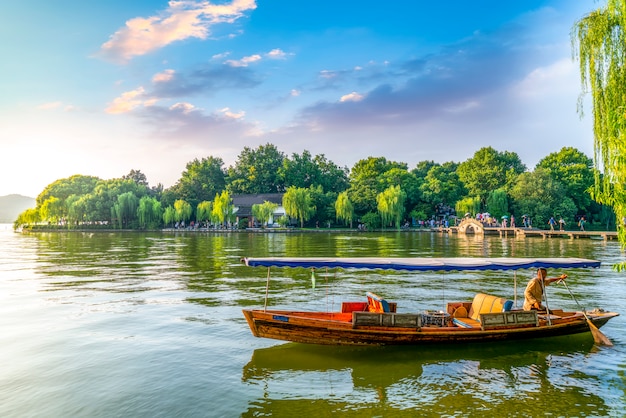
249,315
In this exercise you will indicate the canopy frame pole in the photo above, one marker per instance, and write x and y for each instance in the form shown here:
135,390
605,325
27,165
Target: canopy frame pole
267,289
443,293
545,296
515,288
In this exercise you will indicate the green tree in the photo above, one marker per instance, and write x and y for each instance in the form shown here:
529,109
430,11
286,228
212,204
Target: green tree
52,209
76,210
488,170
300,170
469,205
598,41
298,204
332,177
183,211
29,217
371,220
125,209
540,196
63,188
422,168
498,203
257,171
100,204
407,181
137,176
201,181
344,209
263,212
204,210
442,186
390,205
574,170
149,212
365,182
169,216
223,207
304,170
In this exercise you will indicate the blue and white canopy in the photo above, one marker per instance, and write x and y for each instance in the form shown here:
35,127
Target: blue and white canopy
422,264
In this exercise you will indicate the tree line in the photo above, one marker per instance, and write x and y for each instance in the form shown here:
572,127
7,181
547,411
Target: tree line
375,192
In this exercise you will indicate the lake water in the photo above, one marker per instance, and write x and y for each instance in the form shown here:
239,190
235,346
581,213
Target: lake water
150,325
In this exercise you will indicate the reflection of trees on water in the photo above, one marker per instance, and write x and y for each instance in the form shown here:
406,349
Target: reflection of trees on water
515,379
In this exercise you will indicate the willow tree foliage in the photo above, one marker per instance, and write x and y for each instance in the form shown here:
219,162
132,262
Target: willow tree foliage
498,203
149,212
390,204
169,216
223,207
51,209
263,211
125,209
182,210
27,218
599,43
344,209
76,210
468,205
298,204
203,211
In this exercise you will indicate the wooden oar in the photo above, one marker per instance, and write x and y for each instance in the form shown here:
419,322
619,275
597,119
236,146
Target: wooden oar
598,336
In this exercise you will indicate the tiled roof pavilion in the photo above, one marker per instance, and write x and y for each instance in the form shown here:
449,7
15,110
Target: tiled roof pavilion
244,202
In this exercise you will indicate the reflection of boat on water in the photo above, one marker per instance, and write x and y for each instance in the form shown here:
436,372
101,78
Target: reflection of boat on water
375,365
377,322
401,380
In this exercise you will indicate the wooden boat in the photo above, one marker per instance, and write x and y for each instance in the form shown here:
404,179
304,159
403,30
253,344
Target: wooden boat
376,321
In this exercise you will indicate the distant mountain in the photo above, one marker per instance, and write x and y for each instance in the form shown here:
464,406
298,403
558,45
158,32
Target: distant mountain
14,204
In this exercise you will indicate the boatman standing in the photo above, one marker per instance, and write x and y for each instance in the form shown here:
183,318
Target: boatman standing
533,295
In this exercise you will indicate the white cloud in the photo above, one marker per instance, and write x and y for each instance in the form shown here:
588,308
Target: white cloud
181,20
183,107
227,112
130,100
276,54
164,76
244,61
352,97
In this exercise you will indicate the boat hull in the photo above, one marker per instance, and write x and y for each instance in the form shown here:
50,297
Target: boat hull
338,329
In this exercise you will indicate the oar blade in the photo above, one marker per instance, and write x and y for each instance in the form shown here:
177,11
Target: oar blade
598,337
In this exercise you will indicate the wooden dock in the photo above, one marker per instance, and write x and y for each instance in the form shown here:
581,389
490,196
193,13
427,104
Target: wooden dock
471,226
605,235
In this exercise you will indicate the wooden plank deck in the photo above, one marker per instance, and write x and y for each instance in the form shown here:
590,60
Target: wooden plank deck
533,232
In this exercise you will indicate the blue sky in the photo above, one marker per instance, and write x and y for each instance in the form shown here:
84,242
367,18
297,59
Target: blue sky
100,88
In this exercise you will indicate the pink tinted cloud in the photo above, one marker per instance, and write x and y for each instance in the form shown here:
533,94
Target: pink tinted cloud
181,20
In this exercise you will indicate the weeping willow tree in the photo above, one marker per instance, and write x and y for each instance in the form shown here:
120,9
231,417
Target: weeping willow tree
223,208
204,210
599,43
344,209
390,204
298,204
498,203
263,212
